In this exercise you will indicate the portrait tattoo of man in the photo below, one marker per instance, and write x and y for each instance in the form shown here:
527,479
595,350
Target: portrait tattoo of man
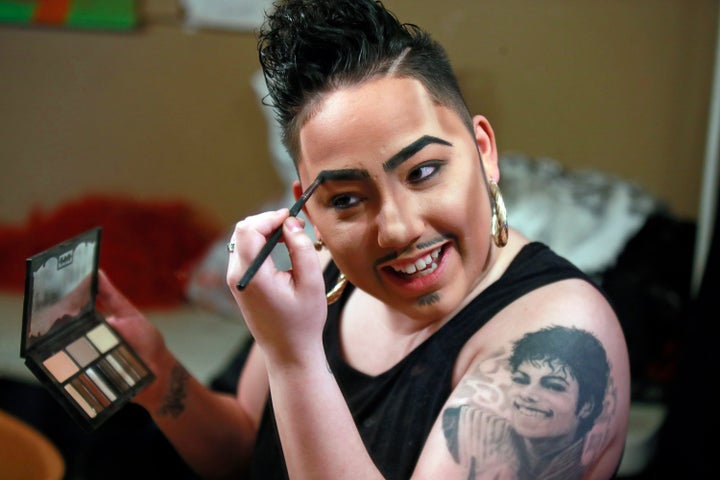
528,414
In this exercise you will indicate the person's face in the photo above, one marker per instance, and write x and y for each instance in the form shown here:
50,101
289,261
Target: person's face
544,400
407,215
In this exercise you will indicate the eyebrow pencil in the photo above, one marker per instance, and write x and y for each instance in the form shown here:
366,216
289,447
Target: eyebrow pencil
277,233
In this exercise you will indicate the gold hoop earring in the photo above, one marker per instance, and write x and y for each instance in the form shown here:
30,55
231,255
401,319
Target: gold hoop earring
499,216
334,294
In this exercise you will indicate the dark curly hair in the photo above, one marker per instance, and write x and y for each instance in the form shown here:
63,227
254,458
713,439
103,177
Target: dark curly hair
310,47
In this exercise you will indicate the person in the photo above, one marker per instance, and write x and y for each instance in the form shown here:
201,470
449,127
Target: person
430,285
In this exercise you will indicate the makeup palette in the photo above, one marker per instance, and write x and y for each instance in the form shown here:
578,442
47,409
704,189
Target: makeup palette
67,344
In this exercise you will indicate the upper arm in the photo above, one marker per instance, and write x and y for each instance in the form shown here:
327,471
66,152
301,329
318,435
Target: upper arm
549,376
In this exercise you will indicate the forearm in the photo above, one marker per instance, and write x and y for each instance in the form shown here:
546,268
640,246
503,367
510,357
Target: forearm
212,432
208,429
318,434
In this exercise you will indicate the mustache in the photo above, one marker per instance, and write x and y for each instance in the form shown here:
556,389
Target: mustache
418,246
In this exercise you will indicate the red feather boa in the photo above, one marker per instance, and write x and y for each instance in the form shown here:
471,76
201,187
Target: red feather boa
148,249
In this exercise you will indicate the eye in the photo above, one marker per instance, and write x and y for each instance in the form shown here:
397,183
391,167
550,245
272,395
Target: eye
344,201
424,172
521,379
553,385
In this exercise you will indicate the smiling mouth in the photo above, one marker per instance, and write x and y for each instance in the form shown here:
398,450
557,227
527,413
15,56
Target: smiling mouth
532,412
420,267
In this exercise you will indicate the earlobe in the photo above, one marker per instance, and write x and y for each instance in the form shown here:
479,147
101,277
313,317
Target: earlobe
296,189
485,138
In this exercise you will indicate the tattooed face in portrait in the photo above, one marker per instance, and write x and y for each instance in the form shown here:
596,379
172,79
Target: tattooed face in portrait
566,361
544,400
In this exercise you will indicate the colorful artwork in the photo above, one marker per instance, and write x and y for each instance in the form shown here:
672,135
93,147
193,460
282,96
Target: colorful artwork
80,14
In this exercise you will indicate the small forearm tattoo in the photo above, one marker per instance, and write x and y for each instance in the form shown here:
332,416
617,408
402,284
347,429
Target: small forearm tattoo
174,401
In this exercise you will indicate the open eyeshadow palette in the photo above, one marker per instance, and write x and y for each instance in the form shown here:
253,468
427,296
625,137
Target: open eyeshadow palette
67,344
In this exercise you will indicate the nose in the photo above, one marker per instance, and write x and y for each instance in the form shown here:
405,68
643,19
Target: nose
530,393
399,222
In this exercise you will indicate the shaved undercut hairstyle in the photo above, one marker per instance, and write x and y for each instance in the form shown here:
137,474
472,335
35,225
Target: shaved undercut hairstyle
308,48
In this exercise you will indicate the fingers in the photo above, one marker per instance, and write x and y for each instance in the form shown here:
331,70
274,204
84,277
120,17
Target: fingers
304,258
112,299
253,231
250,237
256,236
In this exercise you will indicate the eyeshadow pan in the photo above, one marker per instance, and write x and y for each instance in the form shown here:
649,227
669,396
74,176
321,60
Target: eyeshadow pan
82,390
97,378
123,361
102,337
80,401
137,368
112,375
120,369
82,351
94,390
60,366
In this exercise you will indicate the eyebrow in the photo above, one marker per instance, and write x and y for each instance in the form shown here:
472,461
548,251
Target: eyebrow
351,174
407,152
344,174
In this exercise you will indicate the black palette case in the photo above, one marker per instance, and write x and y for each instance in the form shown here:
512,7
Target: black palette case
77,356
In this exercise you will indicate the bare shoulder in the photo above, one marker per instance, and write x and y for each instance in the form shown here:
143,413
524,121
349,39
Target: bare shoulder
572,303
544,393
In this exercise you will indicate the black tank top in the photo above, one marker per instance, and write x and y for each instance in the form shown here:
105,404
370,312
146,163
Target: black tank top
394,411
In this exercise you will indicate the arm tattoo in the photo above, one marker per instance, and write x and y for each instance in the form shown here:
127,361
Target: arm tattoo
174,400
542,410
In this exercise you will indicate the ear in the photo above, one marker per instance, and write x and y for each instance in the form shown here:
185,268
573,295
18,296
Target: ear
296,189
485,138
297,192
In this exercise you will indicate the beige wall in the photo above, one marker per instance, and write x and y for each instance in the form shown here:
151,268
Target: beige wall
617,85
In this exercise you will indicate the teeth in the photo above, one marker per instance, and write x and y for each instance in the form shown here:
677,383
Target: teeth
421,264
531,412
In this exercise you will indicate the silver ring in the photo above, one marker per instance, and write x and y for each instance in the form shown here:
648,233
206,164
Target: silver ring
230,247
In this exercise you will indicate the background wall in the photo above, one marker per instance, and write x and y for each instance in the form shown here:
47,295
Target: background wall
615,85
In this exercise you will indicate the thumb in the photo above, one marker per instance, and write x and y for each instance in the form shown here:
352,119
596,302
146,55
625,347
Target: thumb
112,300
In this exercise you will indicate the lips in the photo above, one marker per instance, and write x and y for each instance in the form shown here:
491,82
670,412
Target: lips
532,412
420,267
